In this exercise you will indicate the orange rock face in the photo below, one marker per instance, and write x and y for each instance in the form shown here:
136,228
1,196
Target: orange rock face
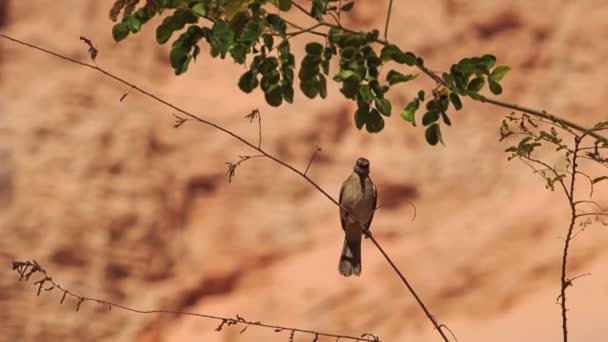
117,204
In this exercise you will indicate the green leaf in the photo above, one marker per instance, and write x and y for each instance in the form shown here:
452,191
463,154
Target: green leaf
310,88
268,41
274,96
251,33
388,51
375,122
421,95
179,59
408,113
394,77
446,119
383,106
184,66
120,31
393,52
178,56
239,53
322,86
376,88
429,118
488,61
433,134
347,6
248,82
343,75
277,23
314,49
361,116
365,93
199,9
350,87
455,99
284,5
269,64
443,103
476,84
134,23
495,88
499,72
222,37
318,8
287,91
163,33
269,80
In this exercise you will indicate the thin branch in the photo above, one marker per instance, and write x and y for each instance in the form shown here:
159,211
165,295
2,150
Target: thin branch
598,214
588,202
302,9
335,18
26,269
317,150
570,283
542,114
388,19
249,144
304,30
548,168
232,166
368,234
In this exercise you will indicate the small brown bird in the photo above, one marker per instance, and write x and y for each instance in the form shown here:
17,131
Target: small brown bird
358,195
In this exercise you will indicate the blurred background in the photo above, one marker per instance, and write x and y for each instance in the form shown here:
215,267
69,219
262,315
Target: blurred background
117,204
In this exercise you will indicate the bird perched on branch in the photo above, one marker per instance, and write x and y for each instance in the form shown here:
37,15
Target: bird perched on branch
358,196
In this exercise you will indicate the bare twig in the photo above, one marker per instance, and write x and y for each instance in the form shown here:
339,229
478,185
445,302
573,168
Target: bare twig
388,19
317,150
26,269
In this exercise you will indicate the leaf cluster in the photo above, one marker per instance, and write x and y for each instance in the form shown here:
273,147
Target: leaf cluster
254,31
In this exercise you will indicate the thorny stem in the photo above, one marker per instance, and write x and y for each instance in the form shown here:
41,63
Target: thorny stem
28,268
564,280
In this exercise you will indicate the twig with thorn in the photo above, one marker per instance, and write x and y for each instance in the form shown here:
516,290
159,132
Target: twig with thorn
232,166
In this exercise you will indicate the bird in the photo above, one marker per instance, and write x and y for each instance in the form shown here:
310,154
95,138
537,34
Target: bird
358,196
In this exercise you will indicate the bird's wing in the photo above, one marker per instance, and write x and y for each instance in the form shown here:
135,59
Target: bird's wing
375,196
342,212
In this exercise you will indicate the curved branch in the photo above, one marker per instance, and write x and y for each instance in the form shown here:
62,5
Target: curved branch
26,269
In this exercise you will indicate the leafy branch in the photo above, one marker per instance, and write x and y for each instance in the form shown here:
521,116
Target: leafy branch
245,29
26,269
187,116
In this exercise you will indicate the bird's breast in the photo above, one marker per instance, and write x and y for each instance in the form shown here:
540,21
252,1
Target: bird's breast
358,199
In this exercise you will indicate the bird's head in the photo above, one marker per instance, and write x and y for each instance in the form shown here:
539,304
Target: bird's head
362,167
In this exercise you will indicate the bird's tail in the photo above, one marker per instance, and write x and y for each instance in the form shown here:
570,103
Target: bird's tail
350,260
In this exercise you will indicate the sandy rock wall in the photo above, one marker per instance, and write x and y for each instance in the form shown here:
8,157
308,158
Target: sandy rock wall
117,204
